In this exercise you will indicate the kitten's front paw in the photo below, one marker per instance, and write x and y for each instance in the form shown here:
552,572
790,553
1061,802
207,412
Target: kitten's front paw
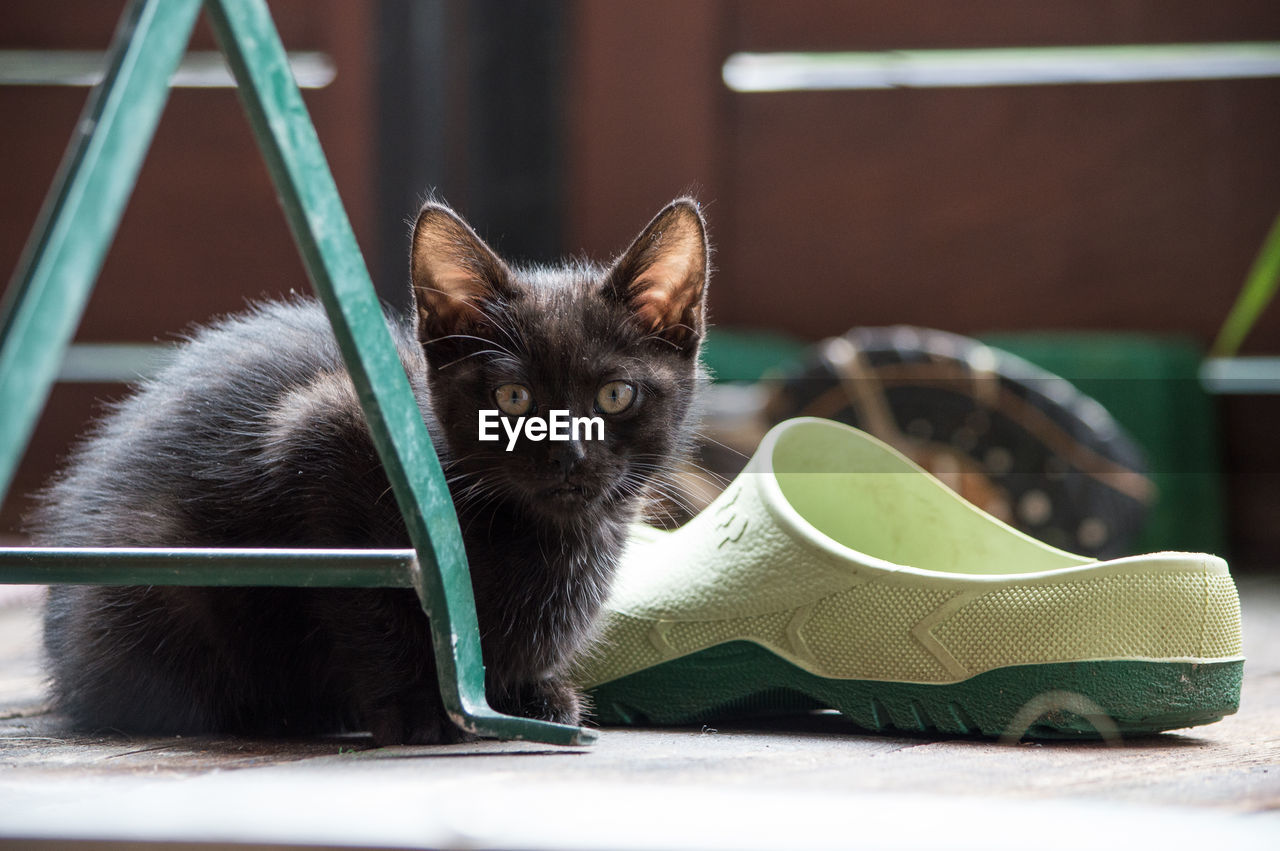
399,725
439,731
545,700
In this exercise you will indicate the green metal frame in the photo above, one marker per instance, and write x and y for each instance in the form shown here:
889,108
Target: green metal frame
47,296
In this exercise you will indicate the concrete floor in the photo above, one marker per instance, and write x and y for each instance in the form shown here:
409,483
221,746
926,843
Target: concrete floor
806,782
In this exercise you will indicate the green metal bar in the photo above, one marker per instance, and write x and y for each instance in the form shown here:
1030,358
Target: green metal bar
288,142
1259,288
215,567
47,295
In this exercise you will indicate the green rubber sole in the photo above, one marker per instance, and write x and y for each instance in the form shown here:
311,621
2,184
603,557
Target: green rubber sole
1087,700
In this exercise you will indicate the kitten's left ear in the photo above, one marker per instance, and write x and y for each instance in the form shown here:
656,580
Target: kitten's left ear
663,276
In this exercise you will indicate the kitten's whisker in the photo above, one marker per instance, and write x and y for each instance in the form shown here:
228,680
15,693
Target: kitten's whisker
634,318
672,492
701,435
688,467
461,459
674,499
661,339
454,296
506,332
484,340
656,487
717,484
471,355
677,477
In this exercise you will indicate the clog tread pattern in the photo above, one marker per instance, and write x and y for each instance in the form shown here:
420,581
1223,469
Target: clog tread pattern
769,629
1222,631
1147,616
865,632
869,631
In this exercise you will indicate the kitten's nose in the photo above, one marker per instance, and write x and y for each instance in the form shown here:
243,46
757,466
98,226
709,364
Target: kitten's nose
565,456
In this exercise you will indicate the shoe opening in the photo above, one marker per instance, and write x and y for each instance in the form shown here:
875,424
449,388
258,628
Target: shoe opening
864,495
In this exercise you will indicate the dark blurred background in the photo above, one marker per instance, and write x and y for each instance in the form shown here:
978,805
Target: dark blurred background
560,128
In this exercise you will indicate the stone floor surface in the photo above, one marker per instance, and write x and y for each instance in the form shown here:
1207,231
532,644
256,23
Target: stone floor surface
805,782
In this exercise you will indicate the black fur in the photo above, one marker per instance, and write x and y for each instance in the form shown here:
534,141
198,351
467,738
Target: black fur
253,437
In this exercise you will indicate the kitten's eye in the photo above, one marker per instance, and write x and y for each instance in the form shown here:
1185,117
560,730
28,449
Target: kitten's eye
514,399
615,397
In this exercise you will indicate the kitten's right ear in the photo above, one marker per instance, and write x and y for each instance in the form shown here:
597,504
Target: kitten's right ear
455,274
663,276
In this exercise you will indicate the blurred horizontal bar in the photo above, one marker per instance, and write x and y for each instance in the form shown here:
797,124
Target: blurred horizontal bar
200,69
221,567
108,363
1241,376
112,362
1016,66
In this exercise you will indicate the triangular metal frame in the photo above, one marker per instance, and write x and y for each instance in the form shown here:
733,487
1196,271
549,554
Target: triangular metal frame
47,296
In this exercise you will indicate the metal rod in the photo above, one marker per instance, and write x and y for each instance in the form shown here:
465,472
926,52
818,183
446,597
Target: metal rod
1241,376
199,69
307,568
320,227
1005,66
47,295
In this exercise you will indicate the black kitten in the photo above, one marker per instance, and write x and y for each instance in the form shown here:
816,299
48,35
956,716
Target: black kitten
254,437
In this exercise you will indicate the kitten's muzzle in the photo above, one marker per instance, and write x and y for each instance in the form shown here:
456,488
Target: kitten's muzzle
565,457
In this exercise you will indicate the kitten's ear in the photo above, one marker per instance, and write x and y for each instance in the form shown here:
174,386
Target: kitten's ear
454,275
663,276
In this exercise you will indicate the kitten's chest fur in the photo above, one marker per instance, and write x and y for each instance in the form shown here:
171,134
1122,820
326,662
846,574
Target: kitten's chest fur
542,587
538,584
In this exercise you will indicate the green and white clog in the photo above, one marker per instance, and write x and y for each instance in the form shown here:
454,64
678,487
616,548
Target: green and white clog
835,573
